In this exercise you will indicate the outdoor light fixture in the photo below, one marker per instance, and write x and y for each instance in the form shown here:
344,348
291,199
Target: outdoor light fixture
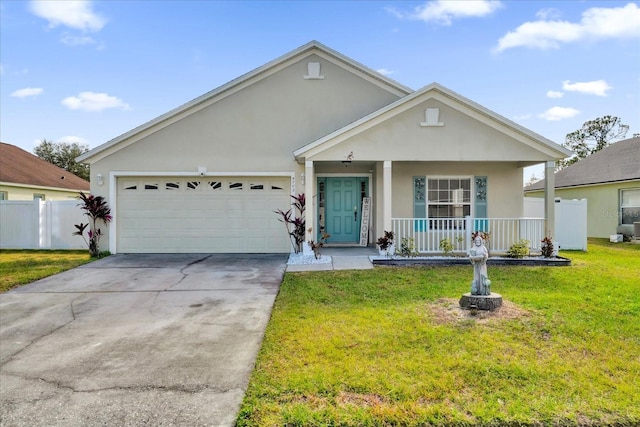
347,162
100,180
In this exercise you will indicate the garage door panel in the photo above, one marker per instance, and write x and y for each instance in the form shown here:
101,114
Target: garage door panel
172,214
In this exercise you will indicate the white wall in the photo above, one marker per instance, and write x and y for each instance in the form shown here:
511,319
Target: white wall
40,225
570,222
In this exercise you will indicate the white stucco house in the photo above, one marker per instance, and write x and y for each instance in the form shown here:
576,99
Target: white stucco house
207,176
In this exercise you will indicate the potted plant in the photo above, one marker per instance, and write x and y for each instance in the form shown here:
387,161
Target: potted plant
385,244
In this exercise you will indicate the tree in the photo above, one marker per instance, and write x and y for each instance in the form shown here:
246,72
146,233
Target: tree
532,180
63,155
592,137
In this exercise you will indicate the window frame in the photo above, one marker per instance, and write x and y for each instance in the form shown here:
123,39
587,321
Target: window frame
429,203
622,207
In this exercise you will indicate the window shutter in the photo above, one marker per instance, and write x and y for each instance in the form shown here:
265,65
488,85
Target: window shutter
480,203
420,202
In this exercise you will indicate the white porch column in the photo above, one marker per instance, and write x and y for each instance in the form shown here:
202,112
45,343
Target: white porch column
386,194
310,207
549,198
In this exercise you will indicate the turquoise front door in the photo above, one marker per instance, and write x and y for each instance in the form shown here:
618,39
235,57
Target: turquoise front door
340,207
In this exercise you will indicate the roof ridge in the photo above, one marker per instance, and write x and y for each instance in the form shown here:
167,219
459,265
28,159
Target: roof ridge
236,82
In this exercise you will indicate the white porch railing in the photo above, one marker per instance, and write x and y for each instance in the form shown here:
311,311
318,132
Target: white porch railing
504,232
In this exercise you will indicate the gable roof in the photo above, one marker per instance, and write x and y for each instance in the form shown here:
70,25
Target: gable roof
313,47
617,162
449,97
21,167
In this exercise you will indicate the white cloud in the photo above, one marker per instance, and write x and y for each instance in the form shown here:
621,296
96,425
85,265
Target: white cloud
444,11
596,23
91,101
597,87
385,72
71,40
550,13
71,139
27,91
554,94
76,14
559,113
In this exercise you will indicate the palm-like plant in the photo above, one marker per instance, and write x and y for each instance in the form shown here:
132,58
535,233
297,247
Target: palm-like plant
294,221
96,208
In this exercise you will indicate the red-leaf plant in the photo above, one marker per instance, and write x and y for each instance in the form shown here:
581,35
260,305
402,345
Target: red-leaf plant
96,208
294,221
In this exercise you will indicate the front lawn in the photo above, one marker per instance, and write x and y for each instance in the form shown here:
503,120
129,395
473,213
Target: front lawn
18,267
389,347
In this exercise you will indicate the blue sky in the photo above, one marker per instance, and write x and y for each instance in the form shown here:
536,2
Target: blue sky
88,71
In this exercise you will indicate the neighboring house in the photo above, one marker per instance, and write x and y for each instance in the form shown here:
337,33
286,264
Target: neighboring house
609,180
24,176
207,176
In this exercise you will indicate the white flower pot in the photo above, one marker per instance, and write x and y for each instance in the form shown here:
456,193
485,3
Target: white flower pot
389,252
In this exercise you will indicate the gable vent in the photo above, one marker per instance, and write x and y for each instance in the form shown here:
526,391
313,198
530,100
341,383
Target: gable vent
432,117
313,71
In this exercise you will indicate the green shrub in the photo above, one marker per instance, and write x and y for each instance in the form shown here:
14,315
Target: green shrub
407,247
519,249
446,246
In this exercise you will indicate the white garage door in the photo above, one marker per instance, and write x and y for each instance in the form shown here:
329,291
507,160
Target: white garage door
201,215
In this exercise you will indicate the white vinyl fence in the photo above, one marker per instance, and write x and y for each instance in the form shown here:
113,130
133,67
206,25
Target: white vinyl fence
40,224
570,221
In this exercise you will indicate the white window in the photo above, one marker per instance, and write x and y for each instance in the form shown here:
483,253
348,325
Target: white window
630,206
448,197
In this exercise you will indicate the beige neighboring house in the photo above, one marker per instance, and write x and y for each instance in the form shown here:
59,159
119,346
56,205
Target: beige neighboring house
207,176
24,176
609,180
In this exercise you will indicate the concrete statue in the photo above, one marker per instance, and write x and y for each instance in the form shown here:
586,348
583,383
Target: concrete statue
480,297
478,255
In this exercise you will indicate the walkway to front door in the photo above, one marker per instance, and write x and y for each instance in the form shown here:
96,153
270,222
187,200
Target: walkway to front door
341,207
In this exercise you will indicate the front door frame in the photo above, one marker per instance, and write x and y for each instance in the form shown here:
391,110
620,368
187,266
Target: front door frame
369,176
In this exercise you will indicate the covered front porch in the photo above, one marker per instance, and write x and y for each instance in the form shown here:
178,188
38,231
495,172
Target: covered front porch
438,166
389,190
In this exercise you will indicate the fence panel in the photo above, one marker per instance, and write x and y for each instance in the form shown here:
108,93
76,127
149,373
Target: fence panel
62,216
570,220
19,224
571,224
40,225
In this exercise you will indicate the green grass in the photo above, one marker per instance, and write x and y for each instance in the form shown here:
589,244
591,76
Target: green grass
19,267
364,348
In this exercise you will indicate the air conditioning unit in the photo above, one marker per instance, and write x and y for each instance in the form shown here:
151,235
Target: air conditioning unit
636,230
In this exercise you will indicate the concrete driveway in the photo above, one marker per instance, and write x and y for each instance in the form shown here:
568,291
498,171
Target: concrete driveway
136,340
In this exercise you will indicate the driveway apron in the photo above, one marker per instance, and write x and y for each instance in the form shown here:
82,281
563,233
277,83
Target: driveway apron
133,340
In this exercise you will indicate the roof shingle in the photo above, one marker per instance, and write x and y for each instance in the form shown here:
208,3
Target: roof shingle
21,167
617,162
